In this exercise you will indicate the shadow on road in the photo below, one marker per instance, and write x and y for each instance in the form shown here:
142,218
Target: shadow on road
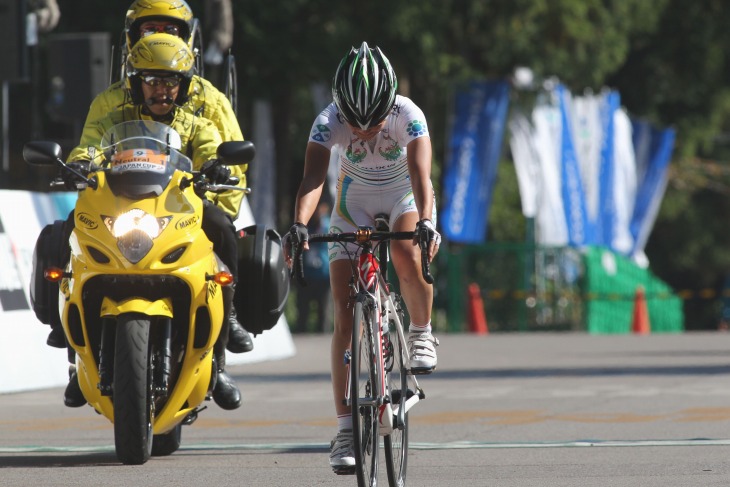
512,373
46,460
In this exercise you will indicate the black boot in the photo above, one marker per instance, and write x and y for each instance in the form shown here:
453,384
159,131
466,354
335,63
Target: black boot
226,393
239,340
56,338
72,396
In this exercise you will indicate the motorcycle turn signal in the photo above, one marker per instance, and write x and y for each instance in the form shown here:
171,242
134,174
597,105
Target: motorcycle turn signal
222,278
55,274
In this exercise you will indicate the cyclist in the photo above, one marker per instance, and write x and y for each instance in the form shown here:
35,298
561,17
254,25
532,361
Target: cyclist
174,17
384,151
159,69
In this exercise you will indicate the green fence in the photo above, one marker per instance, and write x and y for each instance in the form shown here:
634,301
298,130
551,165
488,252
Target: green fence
534,288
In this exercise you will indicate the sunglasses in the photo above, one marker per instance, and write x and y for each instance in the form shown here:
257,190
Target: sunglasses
155,81
171,29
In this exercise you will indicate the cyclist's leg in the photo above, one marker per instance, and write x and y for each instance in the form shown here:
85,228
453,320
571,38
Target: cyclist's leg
340,273
417,295
346,211
406,257
342,453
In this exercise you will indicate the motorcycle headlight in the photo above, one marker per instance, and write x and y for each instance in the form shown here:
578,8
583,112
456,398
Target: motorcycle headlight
134,231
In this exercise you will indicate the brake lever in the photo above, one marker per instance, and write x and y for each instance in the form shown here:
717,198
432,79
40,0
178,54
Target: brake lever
424,239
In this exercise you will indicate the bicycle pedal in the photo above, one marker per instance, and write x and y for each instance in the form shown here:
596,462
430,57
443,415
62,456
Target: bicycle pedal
396,395
421,371
344,470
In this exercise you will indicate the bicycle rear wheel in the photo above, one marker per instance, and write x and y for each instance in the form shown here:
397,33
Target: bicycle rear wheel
363,394
396,443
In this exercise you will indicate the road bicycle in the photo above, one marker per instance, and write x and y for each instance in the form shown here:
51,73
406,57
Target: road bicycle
381,389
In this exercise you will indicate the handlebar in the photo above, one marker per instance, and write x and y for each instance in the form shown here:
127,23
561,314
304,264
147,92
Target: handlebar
364,236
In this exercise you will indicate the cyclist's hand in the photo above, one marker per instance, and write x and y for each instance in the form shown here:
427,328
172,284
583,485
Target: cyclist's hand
298,236
70,179
427,228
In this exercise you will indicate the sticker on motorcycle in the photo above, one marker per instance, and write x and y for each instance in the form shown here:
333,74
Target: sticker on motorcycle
138,160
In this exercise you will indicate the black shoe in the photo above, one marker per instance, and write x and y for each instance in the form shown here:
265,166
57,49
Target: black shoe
56,338
239,340
72,396
226,393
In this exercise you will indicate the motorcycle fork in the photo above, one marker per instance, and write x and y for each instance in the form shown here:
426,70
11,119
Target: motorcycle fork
106,357
163,358
161,363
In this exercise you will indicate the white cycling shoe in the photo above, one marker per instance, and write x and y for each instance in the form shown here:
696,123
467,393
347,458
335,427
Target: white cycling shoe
342,453
422,348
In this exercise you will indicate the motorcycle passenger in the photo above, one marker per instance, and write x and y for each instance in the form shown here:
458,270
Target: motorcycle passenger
174,17
384,150
159,71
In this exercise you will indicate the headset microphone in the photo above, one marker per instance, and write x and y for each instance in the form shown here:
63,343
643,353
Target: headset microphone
152,101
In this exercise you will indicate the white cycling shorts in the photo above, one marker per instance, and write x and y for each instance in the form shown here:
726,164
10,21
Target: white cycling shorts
358,204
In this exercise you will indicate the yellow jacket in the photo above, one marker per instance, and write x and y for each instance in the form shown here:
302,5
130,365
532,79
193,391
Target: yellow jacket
204,100
200,139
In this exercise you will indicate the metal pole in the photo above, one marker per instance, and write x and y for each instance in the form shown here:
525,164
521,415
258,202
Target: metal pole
5,128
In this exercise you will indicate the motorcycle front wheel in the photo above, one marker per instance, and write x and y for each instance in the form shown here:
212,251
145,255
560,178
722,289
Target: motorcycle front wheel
133,406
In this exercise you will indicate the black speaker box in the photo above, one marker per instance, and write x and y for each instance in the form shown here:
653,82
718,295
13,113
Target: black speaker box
78,70
14,53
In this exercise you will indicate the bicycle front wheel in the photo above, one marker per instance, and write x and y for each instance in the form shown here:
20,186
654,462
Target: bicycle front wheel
363,396
396,443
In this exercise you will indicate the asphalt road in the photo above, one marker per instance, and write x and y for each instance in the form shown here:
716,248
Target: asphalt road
502,410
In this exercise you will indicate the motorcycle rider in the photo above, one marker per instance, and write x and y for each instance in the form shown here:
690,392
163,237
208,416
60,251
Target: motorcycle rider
159,71
176,18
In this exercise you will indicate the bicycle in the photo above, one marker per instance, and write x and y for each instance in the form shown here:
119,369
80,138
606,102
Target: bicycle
381,388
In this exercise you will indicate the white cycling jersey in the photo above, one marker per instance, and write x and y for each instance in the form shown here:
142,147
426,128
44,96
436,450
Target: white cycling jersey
384,163
373,176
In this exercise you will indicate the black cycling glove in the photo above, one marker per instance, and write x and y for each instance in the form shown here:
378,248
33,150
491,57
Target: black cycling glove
298,233
427,226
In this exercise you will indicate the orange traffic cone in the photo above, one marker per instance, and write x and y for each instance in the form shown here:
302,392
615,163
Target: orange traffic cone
476,319
640,322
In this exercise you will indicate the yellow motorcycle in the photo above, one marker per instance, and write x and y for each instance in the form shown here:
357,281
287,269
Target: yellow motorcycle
142,298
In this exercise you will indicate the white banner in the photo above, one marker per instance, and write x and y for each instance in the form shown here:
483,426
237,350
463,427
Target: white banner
613,156
550,225
624,183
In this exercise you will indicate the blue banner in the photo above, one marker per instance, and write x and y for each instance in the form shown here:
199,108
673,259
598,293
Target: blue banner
475,146
607,218
653,148
574,200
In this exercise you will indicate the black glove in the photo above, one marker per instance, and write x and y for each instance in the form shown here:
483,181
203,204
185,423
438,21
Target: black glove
426,225
298,233
70,179
218,174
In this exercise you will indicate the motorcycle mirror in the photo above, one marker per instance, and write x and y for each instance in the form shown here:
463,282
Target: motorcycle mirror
42,153
233,153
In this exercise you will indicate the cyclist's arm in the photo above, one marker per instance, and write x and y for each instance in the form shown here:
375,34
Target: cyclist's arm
419,169
316,161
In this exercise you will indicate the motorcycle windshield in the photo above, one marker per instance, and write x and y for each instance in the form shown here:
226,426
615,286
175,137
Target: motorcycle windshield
141,157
